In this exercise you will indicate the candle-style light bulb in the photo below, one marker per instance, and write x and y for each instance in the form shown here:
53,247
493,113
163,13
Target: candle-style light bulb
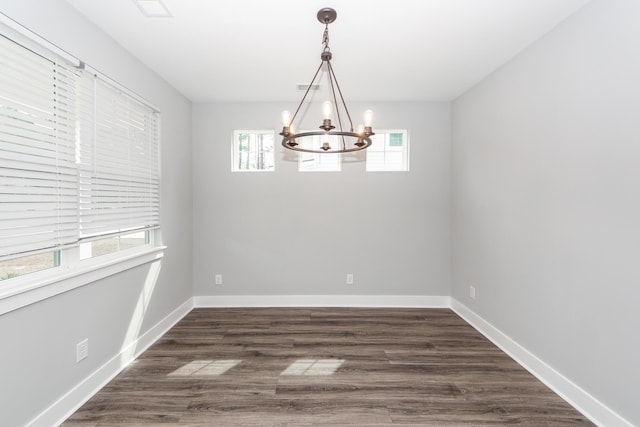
360,129
326,116
368,118
326,110
286,118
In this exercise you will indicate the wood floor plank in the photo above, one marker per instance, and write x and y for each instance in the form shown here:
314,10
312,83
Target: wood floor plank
271,411
314,367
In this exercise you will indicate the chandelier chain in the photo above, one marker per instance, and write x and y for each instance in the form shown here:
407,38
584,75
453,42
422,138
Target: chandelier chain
325,38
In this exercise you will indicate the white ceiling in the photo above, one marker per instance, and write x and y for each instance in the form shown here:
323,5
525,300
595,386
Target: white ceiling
383,50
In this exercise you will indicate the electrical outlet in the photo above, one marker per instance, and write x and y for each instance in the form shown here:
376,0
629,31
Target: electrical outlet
472,292
349,279
82,350
218,279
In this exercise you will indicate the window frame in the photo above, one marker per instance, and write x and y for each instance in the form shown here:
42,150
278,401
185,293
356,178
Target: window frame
235,148
73,273
406,155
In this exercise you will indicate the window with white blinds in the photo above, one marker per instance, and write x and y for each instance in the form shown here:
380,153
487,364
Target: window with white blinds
118,161
38,184
79,157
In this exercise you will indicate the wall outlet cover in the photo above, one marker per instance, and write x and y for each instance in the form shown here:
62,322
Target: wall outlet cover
82,350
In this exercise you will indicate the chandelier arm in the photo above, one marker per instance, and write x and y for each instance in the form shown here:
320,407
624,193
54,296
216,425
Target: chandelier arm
341,97
306,93
335,101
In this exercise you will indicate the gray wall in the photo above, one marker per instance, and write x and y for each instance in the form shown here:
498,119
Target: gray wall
291,233
37,360
546,201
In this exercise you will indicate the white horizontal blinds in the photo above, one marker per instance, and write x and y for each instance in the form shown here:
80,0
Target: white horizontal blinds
119,171
38,180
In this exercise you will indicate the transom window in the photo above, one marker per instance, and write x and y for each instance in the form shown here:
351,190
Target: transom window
314,162
253,150
389,151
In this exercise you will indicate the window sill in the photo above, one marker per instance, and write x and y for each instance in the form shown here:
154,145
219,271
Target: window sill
35,287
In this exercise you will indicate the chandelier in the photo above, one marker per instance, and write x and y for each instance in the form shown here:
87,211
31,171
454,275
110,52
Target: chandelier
344,141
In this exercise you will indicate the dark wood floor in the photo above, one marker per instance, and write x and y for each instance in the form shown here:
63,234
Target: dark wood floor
324,367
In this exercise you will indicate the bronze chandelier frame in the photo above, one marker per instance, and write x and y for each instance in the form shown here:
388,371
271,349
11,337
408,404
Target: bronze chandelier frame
360,140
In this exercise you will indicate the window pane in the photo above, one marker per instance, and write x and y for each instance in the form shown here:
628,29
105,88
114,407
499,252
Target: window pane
393,162
113,244
135,239
318,162
98,247
375,161
253,151
28,264
395,140
377,142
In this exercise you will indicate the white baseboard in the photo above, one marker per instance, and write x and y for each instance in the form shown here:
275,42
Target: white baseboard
589,406
381,301
65,406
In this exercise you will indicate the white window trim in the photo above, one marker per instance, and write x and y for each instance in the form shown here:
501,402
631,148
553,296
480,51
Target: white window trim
34,287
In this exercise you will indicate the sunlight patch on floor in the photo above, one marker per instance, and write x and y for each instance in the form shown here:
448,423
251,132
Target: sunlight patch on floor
313,367
204,368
